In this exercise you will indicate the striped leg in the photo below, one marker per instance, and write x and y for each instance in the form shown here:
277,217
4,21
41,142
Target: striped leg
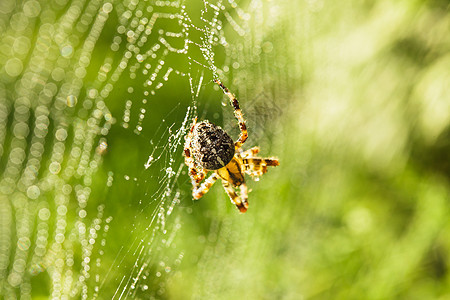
244,194
199,191
258,166
238,114
241,204
250,152
195,174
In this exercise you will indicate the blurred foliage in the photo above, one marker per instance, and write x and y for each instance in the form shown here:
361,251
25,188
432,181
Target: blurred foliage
352,97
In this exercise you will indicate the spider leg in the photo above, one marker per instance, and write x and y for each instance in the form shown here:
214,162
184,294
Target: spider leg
195,174
239,201
238,114
244,194
249,153
256,166
202,189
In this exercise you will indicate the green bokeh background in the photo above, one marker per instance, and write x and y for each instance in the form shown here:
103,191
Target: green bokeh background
354,99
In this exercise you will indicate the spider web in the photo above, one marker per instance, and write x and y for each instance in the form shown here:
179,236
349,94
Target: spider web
96,96
81,82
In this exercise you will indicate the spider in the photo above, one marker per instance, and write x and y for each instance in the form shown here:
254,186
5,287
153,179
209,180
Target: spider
209,148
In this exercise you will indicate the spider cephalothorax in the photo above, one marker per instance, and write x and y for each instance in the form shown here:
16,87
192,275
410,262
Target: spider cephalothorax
209,148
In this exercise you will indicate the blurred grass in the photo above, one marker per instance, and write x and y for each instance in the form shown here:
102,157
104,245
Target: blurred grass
359,207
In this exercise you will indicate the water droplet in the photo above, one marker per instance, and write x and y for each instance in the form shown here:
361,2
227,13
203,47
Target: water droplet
108,117
13,67
71,101
44,214
54,167
23,243
59,238
82,214
14,279
32,8
170,172
61,134
66,51
101,149
107,7
93,93
33,192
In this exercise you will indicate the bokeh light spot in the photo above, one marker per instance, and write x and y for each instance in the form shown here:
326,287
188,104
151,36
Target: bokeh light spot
13,67
71,100
44,214
32,8
33,192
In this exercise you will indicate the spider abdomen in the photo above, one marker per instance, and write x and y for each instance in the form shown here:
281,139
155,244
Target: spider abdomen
212,147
